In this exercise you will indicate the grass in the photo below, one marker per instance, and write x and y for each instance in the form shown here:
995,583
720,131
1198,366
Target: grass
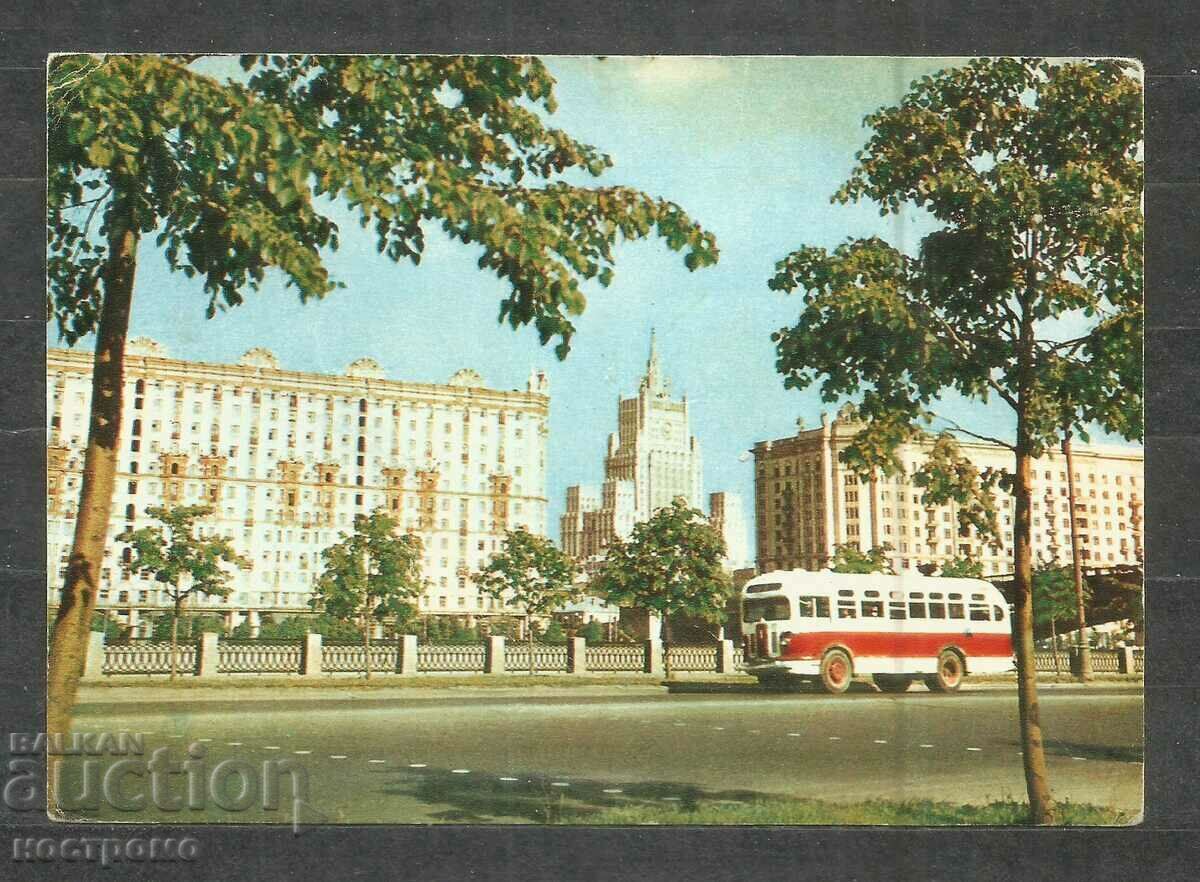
916,813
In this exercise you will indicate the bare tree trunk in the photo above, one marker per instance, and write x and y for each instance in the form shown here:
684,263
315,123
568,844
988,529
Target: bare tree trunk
175,637
1054,646
529,641
873,489
366,629
68,642
1085,651
664,636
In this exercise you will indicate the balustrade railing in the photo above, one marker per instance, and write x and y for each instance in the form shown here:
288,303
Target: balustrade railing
692,657
468,657
259,656
546,656
148,657
616,657
350,657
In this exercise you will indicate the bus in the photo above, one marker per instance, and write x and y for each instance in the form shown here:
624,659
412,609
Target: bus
830,628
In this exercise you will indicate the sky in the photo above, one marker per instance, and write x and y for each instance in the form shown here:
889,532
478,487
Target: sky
752,148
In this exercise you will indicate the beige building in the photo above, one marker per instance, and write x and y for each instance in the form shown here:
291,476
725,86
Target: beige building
652,459
288,459
807,502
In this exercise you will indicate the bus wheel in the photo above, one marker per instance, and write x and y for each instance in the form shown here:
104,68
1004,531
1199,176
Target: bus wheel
836,672
893,682
950,672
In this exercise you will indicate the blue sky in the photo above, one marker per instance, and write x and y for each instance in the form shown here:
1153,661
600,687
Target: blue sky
751,148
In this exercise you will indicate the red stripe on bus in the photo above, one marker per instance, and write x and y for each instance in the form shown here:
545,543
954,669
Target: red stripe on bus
875,644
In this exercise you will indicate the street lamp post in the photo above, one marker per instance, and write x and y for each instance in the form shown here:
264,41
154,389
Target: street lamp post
1085,652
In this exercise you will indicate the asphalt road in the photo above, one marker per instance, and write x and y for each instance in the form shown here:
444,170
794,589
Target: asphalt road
514,760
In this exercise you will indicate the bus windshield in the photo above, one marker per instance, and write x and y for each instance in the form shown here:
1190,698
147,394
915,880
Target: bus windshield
772,609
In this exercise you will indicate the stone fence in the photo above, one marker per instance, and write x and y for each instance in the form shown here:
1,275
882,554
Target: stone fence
311,655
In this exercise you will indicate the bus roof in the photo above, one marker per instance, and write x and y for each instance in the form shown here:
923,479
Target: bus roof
826,580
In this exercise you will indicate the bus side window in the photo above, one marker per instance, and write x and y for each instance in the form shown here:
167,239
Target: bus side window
845,609
804,607
937,610
916,610
872,609
956,611
822,607
979,613
896,609
997,614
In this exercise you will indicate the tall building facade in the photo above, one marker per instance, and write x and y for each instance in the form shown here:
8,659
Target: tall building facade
287,459
807,502
652,458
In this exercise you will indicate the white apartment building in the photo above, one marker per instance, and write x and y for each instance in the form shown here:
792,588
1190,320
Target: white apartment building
288,458
807,503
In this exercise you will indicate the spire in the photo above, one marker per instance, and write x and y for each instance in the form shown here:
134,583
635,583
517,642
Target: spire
654,380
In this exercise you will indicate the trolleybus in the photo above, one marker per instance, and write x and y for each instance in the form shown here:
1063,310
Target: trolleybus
830,628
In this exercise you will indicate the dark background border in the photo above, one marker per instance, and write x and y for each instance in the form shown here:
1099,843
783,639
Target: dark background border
1161,34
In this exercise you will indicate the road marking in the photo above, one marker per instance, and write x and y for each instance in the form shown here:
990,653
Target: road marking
510,779
614,790
174,736
681,724
270,747
881,741
793,734
718,728
975,748
416,765
204,739
559,784
834,738
1083,758
755,732
926,745
234,743
302,752
460,771
370,761
337,756
672,799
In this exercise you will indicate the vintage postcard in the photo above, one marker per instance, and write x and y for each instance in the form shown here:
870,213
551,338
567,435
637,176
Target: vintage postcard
594,440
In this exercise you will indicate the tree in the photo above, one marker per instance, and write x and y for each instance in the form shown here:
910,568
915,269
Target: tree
1054,600
530,572
1031,172
670,564
369,576
592,632
962,568
848,558
235,178
181,561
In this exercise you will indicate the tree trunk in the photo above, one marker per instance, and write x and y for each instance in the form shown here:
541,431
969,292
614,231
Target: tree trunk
366,629
1085,651
664,636
873,489
175,637
529,641
1041,804
1054,646
68,642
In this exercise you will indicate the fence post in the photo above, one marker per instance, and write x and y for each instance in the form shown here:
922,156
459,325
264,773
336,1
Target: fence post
654,657
406,661
1125,662
725,657
1076,660
206,654
310,656
493,662
577,655
93,664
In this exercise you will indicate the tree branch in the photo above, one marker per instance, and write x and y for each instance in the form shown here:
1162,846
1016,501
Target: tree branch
958,428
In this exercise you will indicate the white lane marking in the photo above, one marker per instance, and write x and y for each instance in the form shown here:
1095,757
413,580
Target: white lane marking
718,728
1083,758
175,736
926,745
370,761
671,799
234,743
270,747
754,732
506,778
302,752
614,790
834,738
204,739
975,748
416,765
460,771
337,756
793,734
681,724
881,741
559,784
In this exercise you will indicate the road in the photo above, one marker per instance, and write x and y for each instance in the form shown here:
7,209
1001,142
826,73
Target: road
525,759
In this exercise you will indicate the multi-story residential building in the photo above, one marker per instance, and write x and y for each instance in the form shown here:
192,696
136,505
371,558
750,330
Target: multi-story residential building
652,459
287,459
807,502
726,515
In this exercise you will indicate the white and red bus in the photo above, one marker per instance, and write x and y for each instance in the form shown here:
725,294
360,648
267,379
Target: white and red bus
832,627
